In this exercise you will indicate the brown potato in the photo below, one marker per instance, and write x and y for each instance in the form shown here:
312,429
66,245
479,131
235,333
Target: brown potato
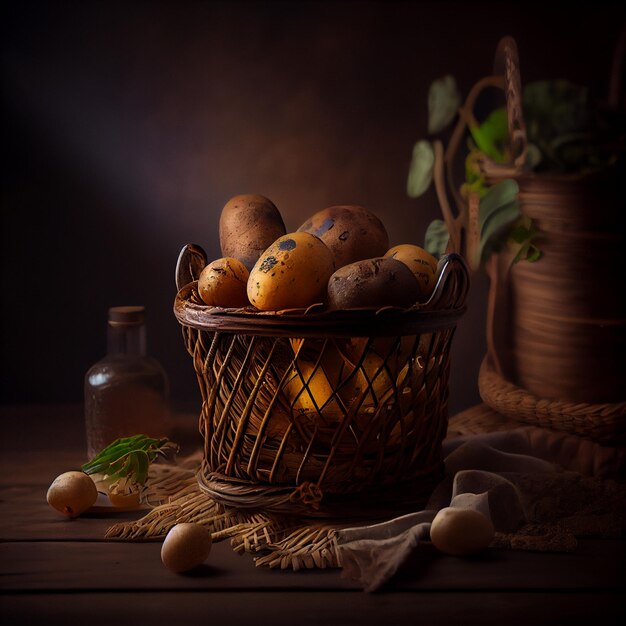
373,283
292,273
420,262
351,232
248,225
223,282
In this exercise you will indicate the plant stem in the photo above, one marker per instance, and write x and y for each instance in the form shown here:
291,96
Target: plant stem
440,187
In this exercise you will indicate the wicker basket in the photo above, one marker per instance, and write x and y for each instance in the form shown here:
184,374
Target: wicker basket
556,329
332,414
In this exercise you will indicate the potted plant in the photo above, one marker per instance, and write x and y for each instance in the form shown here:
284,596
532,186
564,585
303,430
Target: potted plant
540,210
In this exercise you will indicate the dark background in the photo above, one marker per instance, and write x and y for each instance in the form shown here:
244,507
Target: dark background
127,127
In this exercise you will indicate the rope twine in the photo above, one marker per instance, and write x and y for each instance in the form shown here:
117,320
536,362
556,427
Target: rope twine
601,422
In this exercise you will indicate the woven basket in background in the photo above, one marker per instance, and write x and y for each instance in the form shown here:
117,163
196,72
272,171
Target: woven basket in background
556,329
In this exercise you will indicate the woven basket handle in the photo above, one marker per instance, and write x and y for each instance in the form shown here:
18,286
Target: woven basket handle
461,216
506,64
452,286
191,261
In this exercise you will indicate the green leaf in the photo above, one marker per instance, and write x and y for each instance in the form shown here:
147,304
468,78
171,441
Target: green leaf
491,234
444,101
558,106
521,237
472,169
128,457
478,186
140,465
520,233
492,134
534,254
436,238
554,112
505,215
503,193
421,169
474,179
497,210
527,252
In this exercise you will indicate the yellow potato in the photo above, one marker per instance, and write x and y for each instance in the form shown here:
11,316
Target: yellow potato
292,273
186,546
351,232
420,262
223,282
461,532
335,366
372,382
248,225
309,391
395,350
72,493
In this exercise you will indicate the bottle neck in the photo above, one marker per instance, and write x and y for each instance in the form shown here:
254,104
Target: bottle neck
129,340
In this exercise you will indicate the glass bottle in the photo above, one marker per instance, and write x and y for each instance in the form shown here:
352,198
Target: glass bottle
126,391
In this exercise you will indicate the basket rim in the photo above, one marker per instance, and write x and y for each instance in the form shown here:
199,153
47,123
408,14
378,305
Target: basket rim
443,309
386,322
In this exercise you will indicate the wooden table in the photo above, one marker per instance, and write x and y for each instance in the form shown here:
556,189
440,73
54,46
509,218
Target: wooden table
55,570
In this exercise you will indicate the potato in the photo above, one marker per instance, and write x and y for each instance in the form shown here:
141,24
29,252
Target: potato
351,232
373,283
372,383
309,391
331,360
292,273
223,282
248,225
394,351
420,262
186,546
461,532
72,493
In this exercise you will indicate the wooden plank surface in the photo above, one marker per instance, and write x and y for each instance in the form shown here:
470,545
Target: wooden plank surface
86,565
301,608
55,570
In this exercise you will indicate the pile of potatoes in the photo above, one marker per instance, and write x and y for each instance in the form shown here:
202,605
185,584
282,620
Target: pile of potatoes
339,257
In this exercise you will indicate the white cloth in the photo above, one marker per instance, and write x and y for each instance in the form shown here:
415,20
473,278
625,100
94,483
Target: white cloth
478,475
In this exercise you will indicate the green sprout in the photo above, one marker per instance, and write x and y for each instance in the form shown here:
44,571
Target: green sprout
128,459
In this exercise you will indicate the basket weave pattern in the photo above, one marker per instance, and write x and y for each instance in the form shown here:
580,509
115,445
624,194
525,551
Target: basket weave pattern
270,416
293,415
